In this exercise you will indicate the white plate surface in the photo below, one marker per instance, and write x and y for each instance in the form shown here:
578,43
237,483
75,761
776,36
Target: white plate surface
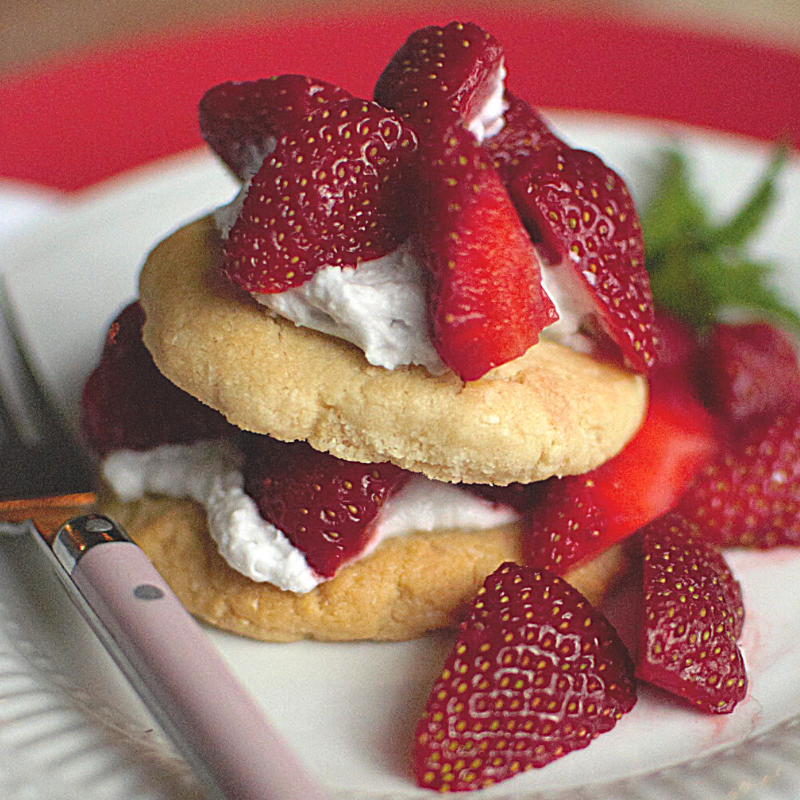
69,727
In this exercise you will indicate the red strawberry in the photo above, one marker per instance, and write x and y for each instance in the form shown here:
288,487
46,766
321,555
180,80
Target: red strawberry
242,122
579,516
677,353
750,371
693,615
332,193
486,302
440,74
749,495
582,217
325,506
535,674
523,135
128,403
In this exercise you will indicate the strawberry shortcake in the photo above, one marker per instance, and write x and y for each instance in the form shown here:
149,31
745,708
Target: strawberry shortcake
341,401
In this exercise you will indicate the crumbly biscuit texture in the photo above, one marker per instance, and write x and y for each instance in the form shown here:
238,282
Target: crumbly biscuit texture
408,586
551,412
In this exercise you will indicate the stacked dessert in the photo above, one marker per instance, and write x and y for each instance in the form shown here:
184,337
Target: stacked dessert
406,370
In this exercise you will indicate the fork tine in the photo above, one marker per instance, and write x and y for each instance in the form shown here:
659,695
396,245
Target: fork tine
40,455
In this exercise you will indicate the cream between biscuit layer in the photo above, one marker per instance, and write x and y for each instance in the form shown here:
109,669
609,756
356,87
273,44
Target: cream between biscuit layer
210,474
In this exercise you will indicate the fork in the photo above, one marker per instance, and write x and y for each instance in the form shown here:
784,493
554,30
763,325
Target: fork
46,478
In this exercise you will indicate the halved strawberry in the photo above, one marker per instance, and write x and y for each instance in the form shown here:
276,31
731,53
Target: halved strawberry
693,615
677,354
128,403
580,515
523,135
242,122
749,495
440,74
332,193
582,217
325,506
750,371
535,674
486,303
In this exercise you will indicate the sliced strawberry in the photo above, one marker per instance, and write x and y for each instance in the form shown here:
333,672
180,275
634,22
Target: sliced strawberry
579,516
128,403
332,193
750,371
749,495
325,506
582,217
693,615
442,73
486,302
523,135
242,122
535,674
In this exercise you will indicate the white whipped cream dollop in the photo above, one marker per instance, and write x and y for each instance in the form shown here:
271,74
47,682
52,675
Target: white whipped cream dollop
210,474
380,307
489,120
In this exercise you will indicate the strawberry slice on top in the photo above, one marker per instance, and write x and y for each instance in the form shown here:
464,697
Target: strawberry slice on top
325,506
535,674
486,303
444,73
242,122
582,218
523,135
333,193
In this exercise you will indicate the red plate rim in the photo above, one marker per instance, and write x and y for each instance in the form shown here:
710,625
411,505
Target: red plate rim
68,125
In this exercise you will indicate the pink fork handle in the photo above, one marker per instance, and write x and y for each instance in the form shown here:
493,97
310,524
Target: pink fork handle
202,702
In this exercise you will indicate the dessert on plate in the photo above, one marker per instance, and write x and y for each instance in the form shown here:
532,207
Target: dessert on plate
412,377
427,296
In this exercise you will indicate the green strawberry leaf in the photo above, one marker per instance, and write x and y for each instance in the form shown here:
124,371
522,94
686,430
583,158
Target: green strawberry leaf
748,219
699,269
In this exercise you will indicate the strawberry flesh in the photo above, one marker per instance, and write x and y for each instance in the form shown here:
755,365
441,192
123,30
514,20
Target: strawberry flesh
535,674
441,74
325,506
128,403
333,193
749,494
582,217
693,616
750,372
242,122
579,516
486,303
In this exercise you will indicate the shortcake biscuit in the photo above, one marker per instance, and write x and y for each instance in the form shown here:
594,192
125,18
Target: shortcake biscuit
408,586
552,411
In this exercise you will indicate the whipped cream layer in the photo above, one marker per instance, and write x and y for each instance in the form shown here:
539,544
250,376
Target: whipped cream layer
210,473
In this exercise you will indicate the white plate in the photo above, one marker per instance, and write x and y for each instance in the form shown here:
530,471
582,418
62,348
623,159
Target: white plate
350,709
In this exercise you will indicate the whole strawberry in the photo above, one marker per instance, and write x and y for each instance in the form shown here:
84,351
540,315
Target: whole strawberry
332,193
128,403
749,494
535,674
692,617
750,372
242,122
324,505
